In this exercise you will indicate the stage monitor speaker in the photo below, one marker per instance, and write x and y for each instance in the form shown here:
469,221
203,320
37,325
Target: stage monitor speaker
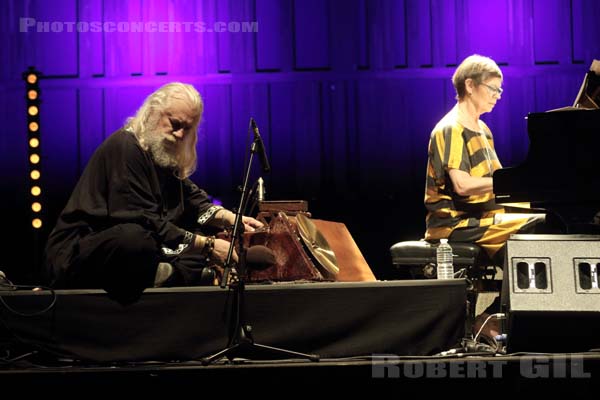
551,293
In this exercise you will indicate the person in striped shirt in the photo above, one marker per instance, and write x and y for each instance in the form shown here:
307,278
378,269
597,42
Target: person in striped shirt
459,189
461,162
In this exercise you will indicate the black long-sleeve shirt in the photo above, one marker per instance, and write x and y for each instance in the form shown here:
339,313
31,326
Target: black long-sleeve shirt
122,184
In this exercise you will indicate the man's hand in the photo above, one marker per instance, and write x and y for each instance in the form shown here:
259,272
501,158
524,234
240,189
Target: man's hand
251,224
227,218
219,254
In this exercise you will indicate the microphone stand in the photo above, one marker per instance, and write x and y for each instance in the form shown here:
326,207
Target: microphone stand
240,336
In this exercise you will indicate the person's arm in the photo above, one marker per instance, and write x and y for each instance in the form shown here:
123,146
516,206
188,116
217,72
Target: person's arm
227,217
212,215
466,185
217,251
217,216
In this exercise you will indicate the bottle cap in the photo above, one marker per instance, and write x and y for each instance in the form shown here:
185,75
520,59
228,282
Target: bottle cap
443,241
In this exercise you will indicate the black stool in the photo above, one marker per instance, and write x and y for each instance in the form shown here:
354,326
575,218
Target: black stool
416,259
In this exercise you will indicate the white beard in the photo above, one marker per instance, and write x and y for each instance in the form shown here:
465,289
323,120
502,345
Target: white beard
159,150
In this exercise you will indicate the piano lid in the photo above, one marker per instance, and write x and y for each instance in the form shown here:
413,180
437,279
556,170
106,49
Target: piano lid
589,93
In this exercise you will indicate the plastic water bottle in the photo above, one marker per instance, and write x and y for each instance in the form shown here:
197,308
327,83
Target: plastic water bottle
445,269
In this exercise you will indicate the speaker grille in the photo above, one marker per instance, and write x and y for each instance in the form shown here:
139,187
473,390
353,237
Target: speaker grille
586,275
531,275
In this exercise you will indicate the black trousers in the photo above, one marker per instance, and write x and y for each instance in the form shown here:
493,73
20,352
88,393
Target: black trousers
123,260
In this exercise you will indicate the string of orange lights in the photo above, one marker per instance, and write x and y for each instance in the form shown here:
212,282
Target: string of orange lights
31,77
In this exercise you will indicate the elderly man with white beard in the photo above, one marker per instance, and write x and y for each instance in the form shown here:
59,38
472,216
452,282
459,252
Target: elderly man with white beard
135,219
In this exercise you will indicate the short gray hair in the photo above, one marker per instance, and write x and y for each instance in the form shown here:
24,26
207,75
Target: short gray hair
475,67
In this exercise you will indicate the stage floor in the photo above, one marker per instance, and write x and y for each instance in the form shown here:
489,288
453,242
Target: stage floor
329,319
525,374
381,333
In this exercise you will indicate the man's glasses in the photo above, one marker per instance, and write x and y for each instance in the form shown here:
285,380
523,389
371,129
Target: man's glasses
493,90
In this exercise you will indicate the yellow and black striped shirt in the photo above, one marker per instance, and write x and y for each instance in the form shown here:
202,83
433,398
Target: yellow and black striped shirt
452,146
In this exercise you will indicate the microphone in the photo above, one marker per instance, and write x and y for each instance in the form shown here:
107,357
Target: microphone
259,257
261,189
262,154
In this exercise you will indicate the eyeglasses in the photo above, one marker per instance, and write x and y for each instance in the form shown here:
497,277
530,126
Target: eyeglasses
493,90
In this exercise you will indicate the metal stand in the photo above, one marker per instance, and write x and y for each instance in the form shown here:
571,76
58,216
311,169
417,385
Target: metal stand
241,341
240,332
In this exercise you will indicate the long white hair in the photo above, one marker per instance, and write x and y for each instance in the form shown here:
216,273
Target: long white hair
148,114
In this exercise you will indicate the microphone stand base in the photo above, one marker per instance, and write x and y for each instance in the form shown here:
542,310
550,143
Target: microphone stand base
244,344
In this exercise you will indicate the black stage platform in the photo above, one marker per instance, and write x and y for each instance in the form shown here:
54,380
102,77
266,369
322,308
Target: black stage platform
335,319
381,333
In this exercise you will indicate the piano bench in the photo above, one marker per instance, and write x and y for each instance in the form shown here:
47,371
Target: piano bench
416,259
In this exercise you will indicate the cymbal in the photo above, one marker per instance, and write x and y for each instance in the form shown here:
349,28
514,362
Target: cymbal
318,246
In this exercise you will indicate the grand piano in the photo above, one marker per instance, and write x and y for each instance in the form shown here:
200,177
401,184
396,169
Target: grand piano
561,172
